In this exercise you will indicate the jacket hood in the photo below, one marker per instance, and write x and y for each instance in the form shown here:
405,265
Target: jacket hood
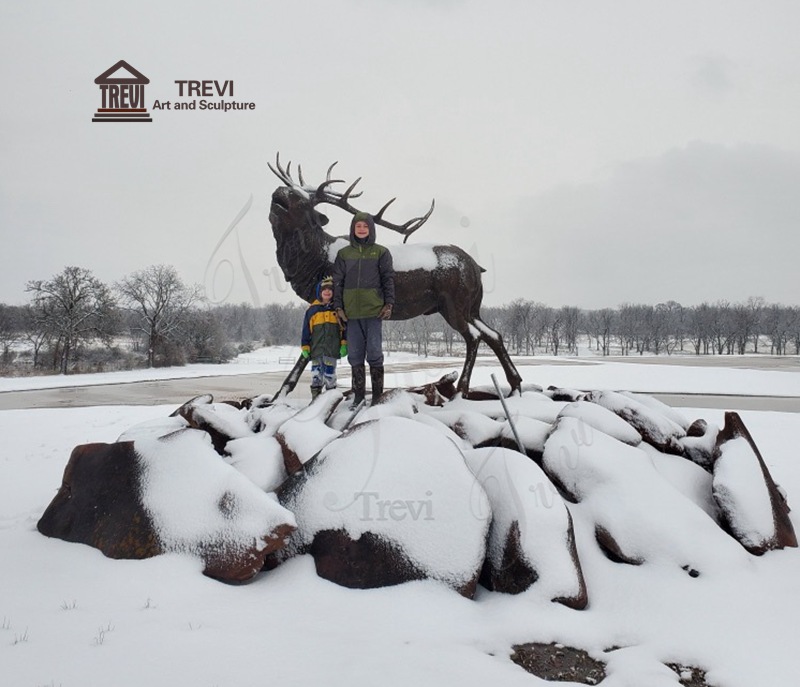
362,217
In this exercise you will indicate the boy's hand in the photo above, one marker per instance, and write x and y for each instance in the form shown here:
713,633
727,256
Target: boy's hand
386,311
343,350
305,354
340,314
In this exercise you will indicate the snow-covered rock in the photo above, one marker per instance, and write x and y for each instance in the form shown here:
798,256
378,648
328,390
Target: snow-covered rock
167,494
259,458
687,477
221,421
268,419
752,507
475,428
636,515
532,435
699,444
98,503
562,394
655,427
603,420
388,502
531,539
659,407
439,392
393,403
306,432
391,499
531,404
443,429
199,504
154,428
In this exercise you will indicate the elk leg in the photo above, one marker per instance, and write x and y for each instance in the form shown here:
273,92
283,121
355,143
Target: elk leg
472,342
495,342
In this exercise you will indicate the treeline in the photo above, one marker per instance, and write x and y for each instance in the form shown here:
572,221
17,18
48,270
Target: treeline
76,323
753,326
151,318
530,328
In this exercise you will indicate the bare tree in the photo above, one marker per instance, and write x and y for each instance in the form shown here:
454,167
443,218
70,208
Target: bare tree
35,331
744,326
204,339
755,306
518,324
555,330
282,323
779,323
675,314
542,315
448,333
570,327
420,330
75,307
161,303
9,332
795,328
394,334
606,319
699,328
627,325
668,328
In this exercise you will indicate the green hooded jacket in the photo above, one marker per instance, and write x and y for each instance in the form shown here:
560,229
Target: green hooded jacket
363,274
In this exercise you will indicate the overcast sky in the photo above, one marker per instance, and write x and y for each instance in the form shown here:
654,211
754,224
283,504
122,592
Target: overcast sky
586,153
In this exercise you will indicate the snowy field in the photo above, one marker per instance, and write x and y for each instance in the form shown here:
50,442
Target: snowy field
73,618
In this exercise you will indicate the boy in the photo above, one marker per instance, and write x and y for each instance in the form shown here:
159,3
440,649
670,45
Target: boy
323,339
363,281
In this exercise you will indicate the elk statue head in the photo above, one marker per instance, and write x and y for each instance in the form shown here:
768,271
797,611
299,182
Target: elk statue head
428,278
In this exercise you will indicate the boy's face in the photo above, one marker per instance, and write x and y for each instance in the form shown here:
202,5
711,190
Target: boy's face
361,230
326,294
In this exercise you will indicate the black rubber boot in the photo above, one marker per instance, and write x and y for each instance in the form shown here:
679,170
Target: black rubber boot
359,374
376,377
315,391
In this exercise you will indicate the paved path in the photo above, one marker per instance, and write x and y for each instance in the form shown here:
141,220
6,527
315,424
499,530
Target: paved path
146,393
223,387
178,391
786,363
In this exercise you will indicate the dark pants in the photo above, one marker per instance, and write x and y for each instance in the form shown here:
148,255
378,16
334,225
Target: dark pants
365,342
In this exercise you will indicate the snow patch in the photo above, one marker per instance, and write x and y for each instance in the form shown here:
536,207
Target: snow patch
259,458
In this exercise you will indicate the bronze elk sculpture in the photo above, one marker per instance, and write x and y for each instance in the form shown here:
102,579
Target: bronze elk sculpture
428,278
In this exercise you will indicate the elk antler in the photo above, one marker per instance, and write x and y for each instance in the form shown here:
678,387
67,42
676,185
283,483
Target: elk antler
341,200
323,194
285,175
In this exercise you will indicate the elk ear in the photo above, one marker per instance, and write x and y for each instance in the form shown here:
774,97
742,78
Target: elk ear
323,220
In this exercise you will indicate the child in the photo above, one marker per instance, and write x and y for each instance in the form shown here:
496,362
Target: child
363,276
323,339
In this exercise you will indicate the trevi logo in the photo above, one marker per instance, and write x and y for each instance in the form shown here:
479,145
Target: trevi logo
122,92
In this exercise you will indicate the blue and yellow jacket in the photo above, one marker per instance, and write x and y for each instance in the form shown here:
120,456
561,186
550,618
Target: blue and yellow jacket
322,333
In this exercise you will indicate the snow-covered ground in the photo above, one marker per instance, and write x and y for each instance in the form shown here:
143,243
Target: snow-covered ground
72,618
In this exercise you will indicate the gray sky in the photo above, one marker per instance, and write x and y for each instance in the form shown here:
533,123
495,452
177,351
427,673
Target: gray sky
586,153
